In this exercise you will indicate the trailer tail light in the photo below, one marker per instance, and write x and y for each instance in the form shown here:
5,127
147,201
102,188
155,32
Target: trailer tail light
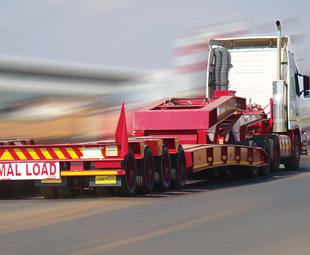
220,140
111,151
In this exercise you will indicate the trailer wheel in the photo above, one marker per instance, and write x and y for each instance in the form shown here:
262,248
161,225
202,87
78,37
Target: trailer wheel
237,172
263,142
163,170
67,191
146,173
180,172
251,171
104,191
293,162
129,179
17,186
6,189
221,171
49,192
274,153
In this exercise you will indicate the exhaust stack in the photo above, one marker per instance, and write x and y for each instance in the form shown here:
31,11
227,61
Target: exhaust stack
279,90
278,24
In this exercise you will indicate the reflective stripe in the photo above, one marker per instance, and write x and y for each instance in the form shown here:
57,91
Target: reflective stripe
59,153
46,153
33,154
72,153
6,156
87,173
20,154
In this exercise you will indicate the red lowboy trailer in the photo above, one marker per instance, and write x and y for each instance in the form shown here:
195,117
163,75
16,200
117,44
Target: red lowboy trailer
221,133
161,153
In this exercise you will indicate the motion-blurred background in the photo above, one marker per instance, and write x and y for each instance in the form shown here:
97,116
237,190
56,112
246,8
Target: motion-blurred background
66,66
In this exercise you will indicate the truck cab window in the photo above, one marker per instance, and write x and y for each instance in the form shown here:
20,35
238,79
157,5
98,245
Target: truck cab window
296,85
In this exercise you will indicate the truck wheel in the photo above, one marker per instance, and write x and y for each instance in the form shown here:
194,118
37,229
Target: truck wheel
263,142
146,178
180,172
274,153
293,162
49,192
129,182
67,191
104,191
163,170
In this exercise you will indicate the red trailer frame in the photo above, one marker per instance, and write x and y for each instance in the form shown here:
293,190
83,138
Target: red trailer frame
171,139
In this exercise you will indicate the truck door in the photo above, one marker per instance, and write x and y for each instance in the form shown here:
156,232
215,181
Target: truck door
294,112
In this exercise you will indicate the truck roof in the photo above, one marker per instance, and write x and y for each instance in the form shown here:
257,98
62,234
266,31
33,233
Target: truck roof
249,42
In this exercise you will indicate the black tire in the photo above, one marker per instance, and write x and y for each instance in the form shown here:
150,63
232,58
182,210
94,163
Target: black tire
251,171
29,187
68,191
104,191
146,172
263,142
163,170
129,183
237,172
49,192
17,186
274,153
179,172
293,162
221,171
6,189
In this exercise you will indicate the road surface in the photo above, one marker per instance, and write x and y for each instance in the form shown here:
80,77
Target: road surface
268,215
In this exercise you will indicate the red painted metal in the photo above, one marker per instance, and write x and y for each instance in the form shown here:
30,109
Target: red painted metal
204,127
77,166
221,93
192,121
108,164
200,157
187,118
121,135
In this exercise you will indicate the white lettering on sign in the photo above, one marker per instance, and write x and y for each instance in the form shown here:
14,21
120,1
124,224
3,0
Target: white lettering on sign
29,171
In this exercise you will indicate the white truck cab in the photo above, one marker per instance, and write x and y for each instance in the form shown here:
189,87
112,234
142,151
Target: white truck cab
263,70
249,67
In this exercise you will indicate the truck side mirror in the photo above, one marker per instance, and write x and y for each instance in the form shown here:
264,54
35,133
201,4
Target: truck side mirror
306,86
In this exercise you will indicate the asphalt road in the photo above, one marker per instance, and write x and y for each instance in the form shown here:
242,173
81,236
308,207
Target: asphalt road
268,215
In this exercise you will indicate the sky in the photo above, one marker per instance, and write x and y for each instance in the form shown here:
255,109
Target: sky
128,33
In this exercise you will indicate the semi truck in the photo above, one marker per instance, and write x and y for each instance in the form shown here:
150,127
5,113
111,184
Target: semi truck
248,65
247,125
